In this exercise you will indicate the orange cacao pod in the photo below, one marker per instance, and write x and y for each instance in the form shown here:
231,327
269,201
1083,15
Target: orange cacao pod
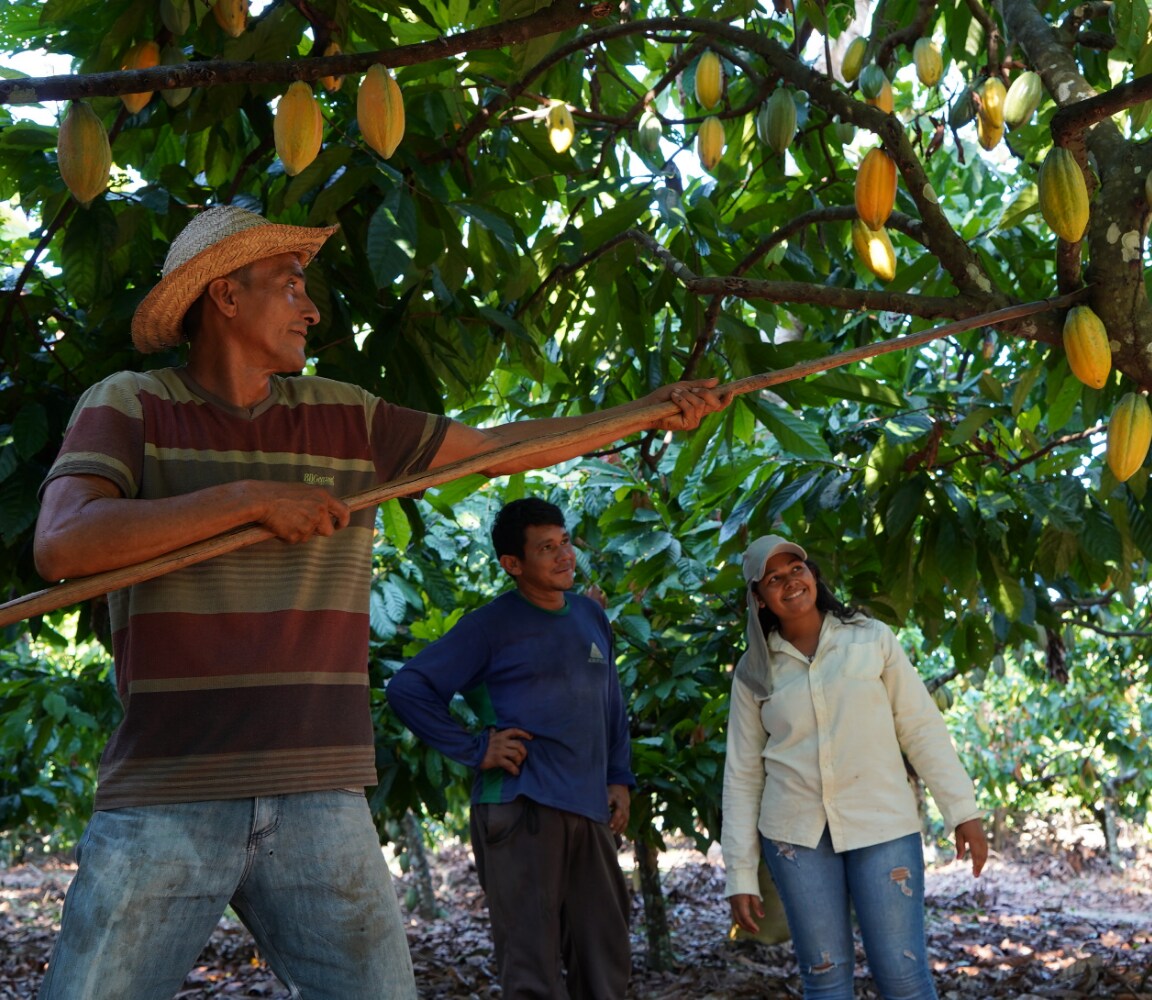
1086,345
83,153
142,55
709,79
710,142
874,249
231,15
875,188
1129,434
298,128
992,96
332,83
380,111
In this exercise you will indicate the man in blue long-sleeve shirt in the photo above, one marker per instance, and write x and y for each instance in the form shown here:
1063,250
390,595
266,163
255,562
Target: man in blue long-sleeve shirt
553,762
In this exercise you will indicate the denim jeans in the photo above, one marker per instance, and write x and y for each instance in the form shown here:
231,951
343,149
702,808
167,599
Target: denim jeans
304,872
884,885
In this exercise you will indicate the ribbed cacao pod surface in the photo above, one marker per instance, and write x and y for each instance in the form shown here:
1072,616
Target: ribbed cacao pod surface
142,55
992,96
709,80
853,61
232,16
649,132
1086,346
1022,99
83,153
298,128
884,100
561,128
872,81
332,83
173,55
929,62
380,111
778,117
963,109
710,142
1129,435
874,249
875,188
987,134
1063,195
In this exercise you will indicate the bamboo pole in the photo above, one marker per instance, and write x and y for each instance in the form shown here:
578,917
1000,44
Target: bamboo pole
82,588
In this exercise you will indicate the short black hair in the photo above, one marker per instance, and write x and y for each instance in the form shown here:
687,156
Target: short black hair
508,530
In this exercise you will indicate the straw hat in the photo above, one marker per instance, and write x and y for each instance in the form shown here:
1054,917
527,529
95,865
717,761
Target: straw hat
764,548
216,242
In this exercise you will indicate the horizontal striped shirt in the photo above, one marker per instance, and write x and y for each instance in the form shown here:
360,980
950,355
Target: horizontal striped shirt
246,674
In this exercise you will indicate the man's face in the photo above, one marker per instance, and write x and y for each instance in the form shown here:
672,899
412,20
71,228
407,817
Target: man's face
274,313
549,562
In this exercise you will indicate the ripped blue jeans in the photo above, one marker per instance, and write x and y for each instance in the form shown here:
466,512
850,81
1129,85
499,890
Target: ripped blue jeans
884,884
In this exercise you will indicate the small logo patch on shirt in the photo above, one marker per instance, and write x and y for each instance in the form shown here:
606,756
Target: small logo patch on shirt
594,655
316,479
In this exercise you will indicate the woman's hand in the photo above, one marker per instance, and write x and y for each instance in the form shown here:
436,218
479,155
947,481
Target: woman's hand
970,839
746,910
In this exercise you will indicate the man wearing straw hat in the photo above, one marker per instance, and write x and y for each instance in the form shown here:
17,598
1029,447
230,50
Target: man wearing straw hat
237,775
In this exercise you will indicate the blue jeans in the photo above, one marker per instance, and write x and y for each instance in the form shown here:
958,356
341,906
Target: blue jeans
304,872
885,885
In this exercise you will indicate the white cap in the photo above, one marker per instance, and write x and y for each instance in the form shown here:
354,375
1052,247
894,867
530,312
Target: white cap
757,554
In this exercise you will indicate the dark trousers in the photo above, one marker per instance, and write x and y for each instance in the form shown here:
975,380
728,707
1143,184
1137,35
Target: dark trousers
557,900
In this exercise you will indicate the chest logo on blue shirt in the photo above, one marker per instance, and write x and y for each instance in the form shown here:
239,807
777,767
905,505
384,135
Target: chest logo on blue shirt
594,655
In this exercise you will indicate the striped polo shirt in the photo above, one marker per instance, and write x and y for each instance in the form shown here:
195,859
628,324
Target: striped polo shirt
247,674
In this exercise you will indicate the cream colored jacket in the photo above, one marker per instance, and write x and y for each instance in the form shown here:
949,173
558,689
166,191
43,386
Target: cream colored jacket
819,744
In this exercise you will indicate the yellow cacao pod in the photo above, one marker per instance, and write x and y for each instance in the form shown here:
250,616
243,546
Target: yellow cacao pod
380,111
929,61
776,122
992,96
298,128
1022,99
142,55
1086,345
649,132
883,100
874,249
173,55
1063,194
710,142
875,188
709,80
853,60
332,83
231,15
987,134
561,128
83,153
1129,434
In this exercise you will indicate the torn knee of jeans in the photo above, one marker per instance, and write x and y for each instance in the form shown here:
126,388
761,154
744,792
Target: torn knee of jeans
786,851
900,876
826,965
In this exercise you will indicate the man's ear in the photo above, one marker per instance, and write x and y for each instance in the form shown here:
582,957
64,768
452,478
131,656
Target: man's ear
511,565
221,293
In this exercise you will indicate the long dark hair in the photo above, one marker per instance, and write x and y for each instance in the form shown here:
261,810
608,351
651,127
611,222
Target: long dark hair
826,601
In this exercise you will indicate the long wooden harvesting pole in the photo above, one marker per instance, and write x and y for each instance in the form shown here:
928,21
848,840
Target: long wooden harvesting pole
82,588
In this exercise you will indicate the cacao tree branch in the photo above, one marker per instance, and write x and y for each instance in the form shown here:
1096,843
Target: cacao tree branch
559,16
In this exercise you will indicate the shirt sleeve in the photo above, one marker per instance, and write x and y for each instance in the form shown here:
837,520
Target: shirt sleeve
422,690
743,791
924,737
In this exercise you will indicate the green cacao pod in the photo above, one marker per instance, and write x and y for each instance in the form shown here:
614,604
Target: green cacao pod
1063,195
710,142
1129,434
872,80
173,55
963,110
875,188
649,132
298,128
1022,99
853,61
874,249
380,110
709,80
1086,345
776,122
929,62
83,153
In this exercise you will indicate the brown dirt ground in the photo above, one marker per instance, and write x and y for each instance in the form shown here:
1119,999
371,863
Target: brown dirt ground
1060,924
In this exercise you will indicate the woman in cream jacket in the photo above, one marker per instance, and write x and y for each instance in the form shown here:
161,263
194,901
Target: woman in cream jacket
824,704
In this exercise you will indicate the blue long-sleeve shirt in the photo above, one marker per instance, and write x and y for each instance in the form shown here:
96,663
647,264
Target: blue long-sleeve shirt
551,673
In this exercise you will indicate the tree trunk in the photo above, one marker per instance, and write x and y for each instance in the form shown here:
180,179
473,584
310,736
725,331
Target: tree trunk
418,865
660,957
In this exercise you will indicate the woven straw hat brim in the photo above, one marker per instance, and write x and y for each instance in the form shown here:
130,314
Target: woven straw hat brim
156,324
